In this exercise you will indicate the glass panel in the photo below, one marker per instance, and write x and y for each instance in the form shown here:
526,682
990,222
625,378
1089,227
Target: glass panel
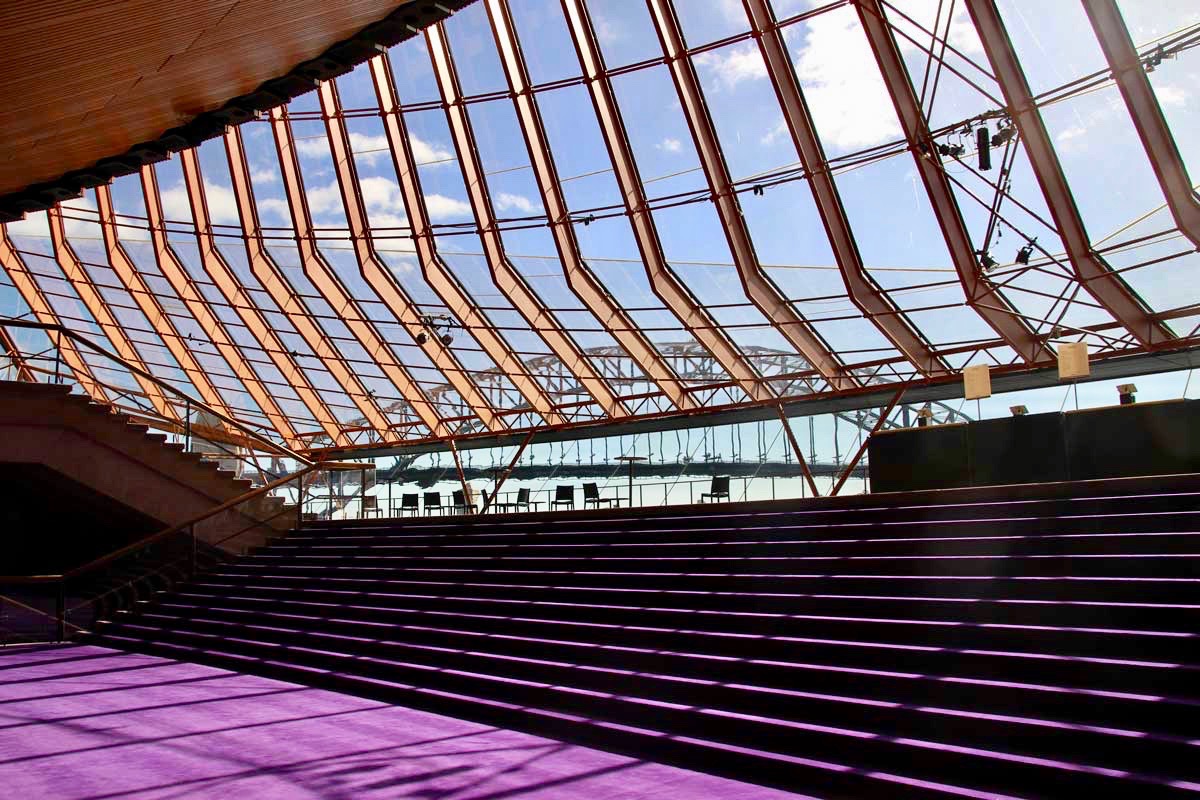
707,22
545,40
625,31
478,64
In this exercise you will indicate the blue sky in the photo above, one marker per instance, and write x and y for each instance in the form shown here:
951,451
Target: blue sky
897,233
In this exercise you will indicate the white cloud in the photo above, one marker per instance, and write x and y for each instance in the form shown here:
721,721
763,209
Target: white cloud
962,37
608,31
325,199
1172,95
506,201
777,132
222,204
274,207
1066,135
670,145
263,175
845,92
369,149
442,207
729,67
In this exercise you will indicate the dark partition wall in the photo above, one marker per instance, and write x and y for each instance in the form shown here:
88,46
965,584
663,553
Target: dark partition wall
1120,441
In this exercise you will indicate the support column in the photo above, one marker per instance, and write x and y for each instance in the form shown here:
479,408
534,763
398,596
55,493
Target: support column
1147,115
583,282
1093,273
507,279
757,284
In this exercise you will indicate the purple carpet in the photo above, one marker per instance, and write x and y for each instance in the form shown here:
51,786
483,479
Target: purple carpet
88,722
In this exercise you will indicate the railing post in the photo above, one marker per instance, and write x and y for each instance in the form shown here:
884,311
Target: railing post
187,427
60,610
58,359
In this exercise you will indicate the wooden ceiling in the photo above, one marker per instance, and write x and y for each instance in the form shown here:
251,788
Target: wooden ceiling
87,79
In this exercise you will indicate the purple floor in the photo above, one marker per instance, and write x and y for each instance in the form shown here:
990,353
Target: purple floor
88,722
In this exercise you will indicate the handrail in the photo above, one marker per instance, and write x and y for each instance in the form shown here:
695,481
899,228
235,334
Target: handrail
276,447
152,538
54,618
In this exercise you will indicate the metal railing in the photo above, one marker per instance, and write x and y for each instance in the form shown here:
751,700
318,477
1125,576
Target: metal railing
232,433
41,607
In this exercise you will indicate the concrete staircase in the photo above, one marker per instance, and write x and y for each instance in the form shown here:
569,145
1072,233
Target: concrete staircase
46,424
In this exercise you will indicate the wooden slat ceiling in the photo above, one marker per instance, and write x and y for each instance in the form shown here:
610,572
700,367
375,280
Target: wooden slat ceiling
87,79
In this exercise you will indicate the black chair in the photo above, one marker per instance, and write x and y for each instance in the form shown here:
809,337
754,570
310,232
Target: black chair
462,503
433,502
719,490
410,503
496,505
591,496
523,501
563,496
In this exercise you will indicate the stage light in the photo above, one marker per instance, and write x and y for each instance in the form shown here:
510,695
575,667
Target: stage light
1126,393
447,339
983,144
986,262
758,190
1003,135
421,338
1025,252
1018,411
954,150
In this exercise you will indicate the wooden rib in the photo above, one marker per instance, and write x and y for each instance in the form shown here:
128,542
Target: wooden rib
437,275
245,307
508,279
381,280
583,283
31,293
112,329
144,297
666,284
197,305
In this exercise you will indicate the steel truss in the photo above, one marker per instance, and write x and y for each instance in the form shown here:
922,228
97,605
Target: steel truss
639,377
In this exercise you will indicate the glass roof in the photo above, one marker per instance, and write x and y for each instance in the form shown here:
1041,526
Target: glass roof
553,212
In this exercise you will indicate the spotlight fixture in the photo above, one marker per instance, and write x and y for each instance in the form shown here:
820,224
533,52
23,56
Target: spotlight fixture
1018,411
983,146
1126,394
952,150
986,262
421,338
588,220
758,190
1026,251
446,339
1156,59
1005,134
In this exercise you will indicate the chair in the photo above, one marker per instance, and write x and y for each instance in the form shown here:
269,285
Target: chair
523,501
563,496
370,506
591,496
409,503
719,490
433,502
494,504
463,504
